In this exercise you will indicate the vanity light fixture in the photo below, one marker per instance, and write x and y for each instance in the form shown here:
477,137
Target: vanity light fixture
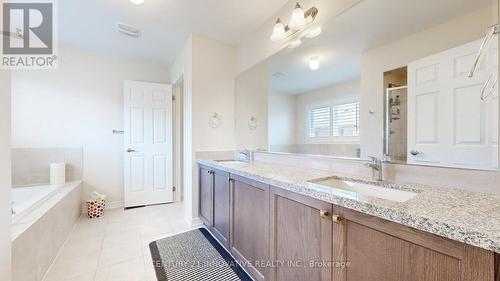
315,32
279,31
299,22
137,2
314,63
295,43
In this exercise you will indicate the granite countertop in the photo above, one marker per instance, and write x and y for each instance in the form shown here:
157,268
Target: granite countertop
469,217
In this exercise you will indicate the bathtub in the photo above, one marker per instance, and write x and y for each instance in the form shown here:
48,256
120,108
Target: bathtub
26,199
45,216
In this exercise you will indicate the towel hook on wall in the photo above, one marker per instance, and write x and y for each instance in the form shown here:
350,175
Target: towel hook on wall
492,30
215,120
492,88
252,123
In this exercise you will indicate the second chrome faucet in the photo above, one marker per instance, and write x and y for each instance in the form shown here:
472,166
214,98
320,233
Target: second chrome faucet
377,170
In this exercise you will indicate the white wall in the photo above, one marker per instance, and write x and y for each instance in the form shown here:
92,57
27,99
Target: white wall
257,46
343,91
208,70
78,105
282,120
398,54
5,175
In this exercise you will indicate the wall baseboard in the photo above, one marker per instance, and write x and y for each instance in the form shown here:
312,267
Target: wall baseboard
194,223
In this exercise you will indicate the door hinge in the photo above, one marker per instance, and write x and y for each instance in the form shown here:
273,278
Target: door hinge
173,188
173,98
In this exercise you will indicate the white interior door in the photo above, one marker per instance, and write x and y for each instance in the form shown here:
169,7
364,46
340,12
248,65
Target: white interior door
448,123
148,143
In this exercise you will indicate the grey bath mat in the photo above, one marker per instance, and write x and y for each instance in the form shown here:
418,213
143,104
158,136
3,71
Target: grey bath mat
194,256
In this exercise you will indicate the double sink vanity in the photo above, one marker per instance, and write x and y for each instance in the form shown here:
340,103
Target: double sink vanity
284,223
418,89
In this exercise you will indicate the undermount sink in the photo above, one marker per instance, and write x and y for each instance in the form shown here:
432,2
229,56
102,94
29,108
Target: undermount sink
355,190
231,161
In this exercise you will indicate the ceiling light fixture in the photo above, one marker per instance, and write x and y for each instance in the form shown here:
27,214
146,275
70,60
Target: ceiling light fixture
299,22
137,2
315,32
279,31
295,43
314,63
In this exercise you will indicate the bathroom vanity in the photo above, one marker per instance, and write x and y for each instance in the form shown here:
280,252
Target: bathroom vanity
283,223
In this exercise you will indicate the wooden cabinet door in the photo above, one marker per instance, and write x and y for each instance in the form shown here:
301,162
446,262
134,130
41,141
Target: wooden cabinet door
250,225
220,224
381,250
301,237
206,196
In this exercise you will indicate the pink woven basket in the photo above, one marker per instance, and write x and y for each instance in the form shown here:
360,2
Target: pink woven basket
96,209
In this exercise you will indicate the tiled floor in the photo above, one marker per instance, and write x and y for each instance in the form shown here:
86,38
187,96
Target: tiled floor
115,247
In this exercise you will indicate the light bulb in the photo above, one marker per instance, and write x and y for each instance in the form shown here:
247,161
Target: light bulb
314,63
314,32
294,44
298,20
137,2
279,32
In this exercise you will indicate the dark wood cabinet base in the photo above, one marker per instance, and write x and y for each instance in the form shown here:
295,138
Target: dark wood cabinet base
283,236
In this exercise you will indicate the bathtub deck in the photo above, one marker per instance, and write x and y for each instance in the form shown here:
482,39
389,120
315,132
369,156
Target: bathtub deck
22,224
115,248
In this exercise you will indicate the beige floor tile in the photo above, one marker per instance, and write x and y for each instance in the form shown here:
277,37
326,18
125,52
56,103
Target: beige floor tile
89,247
73,268
119,239
116,247
84,277
121,227
149,268
156,228
131,270
112,256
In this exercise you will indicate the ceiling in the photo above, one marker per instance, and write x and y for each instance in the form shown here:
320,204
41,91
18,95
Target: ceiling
369,24
165,24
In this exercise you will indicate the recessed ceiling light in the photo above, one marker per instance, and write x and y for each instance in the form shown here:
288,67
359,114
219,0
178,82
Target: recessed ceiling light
137,2
314,63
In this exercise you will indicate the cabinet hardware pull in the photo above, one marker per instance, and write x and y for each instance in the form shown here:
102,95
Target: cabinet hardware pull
336,219
323,214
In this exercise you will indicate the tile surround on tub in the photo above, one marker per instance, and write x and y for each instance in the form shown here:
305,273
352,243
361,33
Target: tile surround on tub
31,166
37,241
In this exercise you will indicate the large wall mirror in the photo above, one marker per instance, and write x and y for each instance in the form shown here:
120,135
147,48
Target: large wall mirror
413,82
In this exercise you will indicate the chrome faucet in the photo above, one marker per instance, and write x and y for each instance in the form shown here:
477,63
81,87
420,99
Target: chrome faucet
247,154
377,169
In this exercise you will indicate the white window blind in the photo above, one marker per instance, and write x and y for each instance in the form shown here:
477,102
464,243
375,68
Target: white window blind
346,120
320,122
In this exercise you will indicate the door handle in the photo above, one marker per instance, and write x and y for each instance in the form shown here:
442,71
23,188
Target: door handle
415,152
130,150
